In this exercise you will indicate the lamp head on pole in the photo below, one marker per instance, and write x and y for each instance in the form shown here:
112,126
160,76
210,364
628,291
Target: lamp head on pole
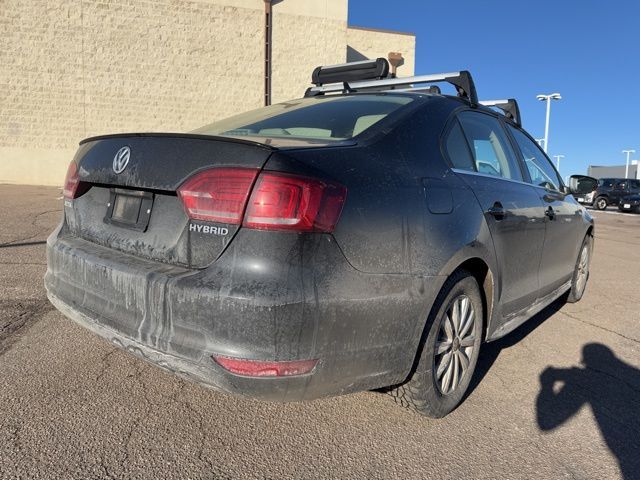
552,96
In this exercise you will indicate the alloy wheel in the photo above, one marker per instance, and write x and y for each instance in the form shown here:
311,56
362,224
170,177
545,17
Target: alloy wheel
454,346
583,270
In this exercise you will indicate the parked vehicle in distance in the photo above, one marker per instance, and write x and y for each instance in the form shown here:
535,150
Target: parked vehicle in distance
583,188
608,191
630,203
372,234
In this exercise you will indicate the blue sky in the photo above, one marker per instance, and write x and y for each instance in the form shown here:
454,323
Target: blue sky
587,51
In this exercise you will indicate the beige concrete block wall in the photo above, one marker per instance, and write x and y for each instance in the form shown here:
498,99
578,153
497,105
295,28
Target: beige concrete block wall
72,69
301,43
372,43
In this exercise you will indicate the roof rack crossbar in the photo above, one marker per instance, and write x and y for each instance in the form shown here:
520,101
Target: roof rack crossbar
508,106
461,80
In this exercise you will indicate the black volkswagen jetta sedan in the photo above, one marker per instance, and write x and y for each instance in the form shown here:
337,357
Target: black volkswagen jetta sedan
370,235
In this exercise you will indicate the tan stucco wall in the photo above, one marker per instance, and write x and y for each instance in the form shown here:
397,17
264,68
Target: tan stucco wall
71,69
371,43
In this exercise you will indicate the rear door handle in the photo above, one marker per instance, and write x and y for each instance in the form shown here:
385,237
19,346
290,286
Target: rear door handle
550,212
497,211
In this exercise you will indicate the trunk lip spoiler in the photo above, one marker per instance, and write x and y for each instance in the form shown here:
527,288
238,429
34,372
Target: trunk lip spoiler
178,135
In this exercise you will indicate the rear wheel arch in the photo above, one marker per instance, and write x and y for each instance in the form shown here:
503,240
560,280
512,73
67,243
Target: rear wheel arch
416,391
483,274
485,278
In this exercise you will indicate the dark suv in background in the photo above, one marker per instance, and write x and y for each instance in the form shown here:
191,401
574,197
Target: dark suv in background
606,191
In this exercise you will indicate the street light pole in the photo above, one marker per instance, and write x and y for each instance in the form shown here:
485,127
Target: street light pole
548,98
558,157
626,170
546,125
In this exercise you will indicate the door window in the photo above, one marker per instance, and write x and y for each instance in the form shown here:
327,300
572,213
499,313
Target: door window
492,153
538,165
458,149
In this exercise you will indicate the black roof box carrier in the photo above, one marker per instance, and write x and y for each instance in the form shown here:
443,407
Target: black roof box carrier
369,75
350,72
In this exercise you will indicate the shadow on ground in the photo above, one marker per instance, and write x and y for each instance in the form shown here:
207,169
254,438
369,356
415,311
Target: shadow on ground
490,351
22,244
603,382
610,387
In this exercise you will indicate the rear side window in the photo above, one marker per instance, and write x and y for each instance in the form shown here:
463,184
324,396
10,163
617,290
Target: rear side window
314,119
458,149
540,169
491,150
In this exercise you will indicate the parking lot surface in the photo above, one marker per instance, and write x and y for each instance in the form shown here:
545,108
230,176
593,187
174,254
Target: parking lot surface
558,398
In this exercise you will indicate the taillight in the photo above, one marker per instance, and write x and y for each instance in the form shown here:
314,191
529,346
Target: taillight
71,182
278,201
289,202
258,368
218,195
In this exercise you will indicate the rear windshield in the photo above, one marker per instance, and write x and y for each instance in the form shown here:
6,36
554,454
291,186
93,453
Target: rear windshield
314,120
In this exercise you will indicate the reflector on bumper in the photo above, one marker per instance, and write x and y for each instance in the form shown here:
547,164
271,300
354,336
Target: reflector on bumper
257,368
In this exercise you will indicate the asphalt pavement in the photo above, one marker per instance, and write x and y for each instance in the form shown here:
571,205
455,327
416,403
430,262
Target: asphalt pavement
558,398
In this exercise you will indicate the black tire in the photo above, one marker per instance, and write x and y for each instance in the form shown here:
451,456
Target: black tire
578,287
423,391
600,203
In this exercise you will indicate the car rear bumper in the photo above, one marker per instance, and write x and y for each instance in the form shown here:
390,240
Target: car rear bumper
299,300
209,374
629,206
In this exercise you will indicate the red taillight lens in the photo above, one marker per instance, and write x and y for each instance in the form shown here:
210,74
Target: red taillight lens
257,368
218,195
289,202
71,182
278,201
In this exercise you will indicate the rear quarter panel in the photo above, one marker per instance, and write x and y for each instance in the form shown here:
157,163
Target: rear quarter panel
406,212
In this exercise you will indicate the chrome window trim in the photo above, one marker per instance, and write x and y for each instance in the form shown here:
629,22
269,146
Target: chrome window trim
473,172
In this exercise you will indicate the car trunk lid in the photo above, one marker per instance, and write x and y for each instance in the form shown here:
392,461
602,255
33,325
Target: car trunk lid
137,211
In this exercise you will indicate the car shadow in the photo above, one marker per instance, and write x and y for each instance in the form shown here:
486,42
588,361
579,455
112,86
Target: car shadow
610,387
490,351
22,244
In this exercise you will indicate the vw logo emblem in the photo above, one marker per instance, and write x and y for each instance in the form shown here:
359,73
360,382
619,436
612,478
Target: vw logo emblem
121,160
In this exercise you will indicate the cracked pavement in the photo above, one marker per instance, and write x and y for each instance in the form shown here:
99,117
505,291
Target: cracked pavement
558,398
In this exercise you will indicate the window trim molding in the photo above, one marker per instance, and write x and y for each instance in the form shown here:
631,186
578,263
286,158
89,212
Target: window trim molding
524,163
504,179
